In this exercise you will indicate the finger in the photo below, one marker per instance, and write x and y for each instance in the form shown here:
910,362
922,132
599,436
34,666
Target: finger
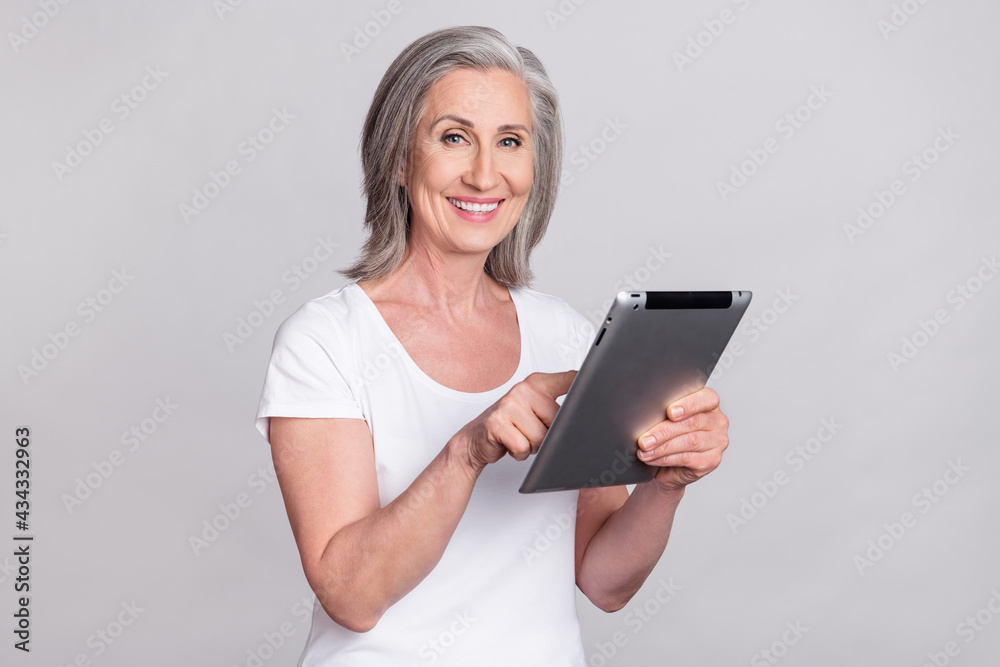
703,400
699,463
543,408
688,443
528,410
552,385
532,429
521,416
535,427
712,443
670,432
517,446
683,460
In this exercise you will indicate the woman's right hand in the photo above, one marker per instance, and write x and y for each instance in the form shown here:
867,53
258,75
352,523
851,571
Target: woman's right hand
517,423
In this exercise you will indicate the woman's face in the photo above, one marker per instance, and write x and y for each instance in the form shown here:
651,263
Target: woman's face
470,167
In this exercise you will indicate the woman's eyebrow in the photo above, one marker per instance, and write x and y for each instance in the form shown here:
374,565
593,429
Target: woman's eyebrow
457,119
510,127
468,123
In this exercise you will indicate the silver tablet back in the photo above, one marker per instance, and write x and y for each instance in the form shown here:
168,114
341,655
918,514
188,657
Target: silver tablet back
653,348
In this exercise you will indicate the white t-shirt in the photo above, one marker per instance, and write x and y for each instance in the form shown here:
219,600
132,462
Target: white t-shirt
504,592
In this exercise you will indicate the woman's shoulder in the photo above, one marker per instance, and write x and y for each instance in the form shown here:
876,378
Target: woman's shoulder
336,313
559,324
549,305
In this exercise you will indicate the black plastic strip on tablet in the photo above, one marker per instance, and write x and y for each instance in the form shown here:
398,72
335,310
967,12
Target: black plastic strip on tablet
679,300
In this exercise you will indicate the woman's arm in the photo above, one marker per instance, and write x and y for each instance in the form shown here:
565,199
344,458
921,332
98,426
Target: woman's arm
621,537
361,559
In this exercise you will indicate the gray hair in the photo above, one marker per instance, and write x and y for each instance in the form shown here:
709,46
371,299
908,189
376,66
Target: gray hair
388,134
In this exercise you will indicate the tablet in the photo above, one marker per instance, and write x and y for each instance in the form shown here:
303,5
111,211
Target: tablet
652,348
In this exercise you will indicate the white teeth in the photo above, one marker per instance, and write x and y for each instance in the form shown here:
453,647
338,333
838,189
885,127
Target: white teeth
474,208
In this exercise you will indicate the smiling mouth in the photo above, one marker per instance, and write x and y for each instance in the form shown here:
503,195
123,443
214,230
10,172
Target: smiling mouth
475,207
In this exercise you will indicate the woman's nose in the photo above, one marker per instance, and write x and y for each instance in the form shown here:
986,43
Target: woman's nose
482,172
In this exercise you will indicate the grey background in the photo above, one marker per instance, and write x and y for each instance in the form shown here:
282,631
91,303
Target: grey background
653,186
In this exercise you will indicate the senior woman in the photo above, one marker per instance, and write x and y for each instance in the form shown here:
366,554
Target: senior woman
403,407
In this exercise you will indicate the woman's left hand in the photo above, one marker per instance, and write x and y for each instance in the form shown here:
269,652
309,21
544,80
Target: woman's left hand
689,443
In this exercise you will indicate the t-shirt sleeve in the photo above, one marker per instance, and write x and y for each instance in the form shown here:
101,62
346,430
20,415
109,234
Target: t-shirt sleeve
308,373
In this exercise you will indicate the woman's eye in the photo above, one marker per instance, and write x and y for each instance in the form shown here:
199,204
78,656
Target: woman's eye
453,138
510,142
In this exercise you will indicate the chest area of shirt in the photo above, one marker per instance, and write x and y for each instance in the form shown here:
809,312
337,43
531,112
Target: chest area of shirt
464,356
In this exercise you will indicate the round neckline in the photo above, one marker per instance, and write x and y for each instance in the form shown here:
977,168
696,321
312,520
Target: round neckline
515,297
